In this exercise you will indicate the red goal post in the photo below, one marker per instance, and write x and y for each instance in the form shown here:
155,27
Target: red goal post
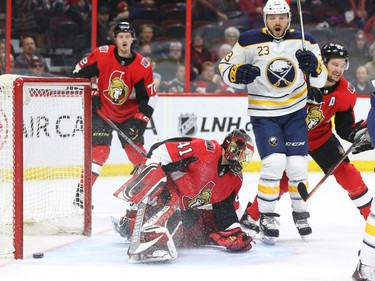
45,145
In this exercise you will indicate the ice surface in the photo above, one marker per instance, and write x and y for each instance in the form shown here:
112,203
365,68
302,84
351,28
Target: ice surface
330,254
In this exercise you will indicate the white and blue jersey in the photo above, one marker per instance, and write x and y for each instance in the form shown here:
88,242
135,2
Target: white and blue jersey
280,89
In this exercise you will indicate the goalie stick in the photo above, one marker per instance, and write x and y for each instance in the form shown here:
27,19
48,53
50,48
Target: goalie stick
121,133
302,189
135,240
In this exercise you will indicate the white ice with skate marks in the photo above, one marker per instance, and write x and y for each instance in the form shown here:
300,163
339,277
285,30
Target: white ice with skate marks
329,255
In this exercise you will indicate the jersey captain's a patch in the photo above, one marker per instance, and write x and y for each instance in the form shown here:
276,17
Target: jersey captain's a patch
281,73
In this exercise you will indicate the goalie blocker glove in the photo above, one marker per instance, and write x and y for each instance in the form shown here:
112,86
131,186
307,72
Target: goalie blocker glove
243,73
314,96
308,62
233,239
361,136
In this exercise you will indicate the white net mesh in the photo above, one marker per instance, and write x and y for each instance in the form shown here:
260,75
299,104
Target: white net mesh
53,157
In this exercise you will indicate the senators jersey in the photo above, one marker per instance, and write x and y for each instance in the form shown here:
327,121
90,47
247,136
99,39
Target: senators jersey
125,85
280,89
194,167
339,101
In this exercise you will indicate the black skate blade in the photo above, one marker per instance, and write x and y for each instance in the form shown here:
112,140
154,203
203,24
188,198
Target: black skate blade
302,190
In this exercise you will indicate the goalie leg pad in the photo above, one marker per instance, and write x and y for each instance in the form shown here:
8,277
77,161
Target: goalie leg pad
148,183
160,246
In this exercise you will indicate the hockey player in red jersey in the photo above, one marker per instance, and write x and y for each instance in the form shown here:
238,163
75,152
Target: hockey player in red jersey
127,97
196,174
339,99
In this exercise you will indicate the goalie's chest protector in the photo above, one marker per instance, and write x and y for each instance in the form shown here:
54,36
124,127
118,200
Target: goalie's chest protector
202,185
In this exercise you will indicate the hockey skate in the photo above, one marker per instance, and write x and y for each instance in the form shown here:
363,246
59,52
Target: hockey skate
250,225
122,227
303,227
363,273
268,230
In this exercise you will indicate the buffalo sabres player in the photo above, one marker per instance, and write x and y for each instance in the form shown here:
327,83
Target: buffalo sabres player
336,113
270,63
190,186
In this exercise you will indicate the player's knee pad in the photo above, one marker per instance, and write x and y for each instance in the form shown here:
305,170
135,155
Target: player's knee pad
273,166
296,168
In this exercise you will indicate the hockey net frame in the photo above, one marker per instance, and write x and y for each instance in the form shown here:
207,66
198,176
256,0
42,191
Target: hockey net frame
14,105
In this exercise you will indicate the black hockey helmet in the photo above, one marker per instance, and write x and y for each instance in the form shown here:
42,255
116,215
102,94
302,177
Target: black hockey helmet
334,50
238,149
123,26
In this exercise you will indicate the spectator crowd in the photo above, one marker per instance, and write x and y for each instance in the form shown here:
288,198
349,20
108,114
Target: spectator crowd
50,36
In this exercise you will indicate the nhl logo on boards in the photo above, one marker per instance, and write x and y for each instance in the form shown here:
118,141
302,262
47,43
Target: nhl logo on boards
187,124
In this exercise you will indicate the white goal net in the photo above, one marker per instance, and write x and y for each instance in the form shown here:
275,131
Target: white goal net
45,145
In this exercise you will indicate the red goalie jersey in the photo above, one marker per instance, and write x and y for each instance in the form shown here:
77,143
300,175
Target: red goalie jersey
194,169
193,165
118,78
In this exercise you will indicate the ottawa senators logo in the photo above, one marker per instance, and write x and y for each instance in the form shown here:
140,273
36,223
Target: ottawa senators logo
314,117
118,91
201,199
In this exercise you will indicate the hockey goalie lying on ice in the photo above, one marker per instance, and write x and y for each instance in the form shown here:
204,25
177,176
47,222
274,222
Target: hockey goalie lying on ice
172,192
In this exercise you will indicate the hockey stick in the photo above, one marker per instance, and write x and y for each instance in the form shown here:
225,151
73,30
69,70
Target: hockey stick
302,189
301,24
121,133
303,40
135,240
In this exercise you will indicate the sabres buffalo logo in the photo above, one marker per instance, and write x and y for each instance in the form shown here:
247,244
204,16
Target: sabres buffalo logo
118,91
314,117
281,73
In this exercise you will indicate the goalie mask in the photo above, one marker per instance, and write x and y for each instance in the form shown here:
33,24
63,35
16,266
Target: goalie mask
333,50
238,150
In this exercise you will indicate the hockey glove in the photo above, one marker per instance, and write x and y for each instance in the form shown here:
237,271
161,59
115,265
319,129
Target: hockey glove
314,96
308,62
361,136
137,126
243,73
233,239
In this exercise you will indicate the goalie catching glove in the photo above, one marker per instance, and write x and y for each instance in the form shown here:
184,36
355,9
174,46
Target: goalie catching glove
243,73
308,62
233,239
361,136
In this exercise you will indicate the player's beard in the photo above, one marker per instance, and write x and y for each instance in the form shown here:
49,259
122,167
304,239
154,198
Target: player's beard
334,78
